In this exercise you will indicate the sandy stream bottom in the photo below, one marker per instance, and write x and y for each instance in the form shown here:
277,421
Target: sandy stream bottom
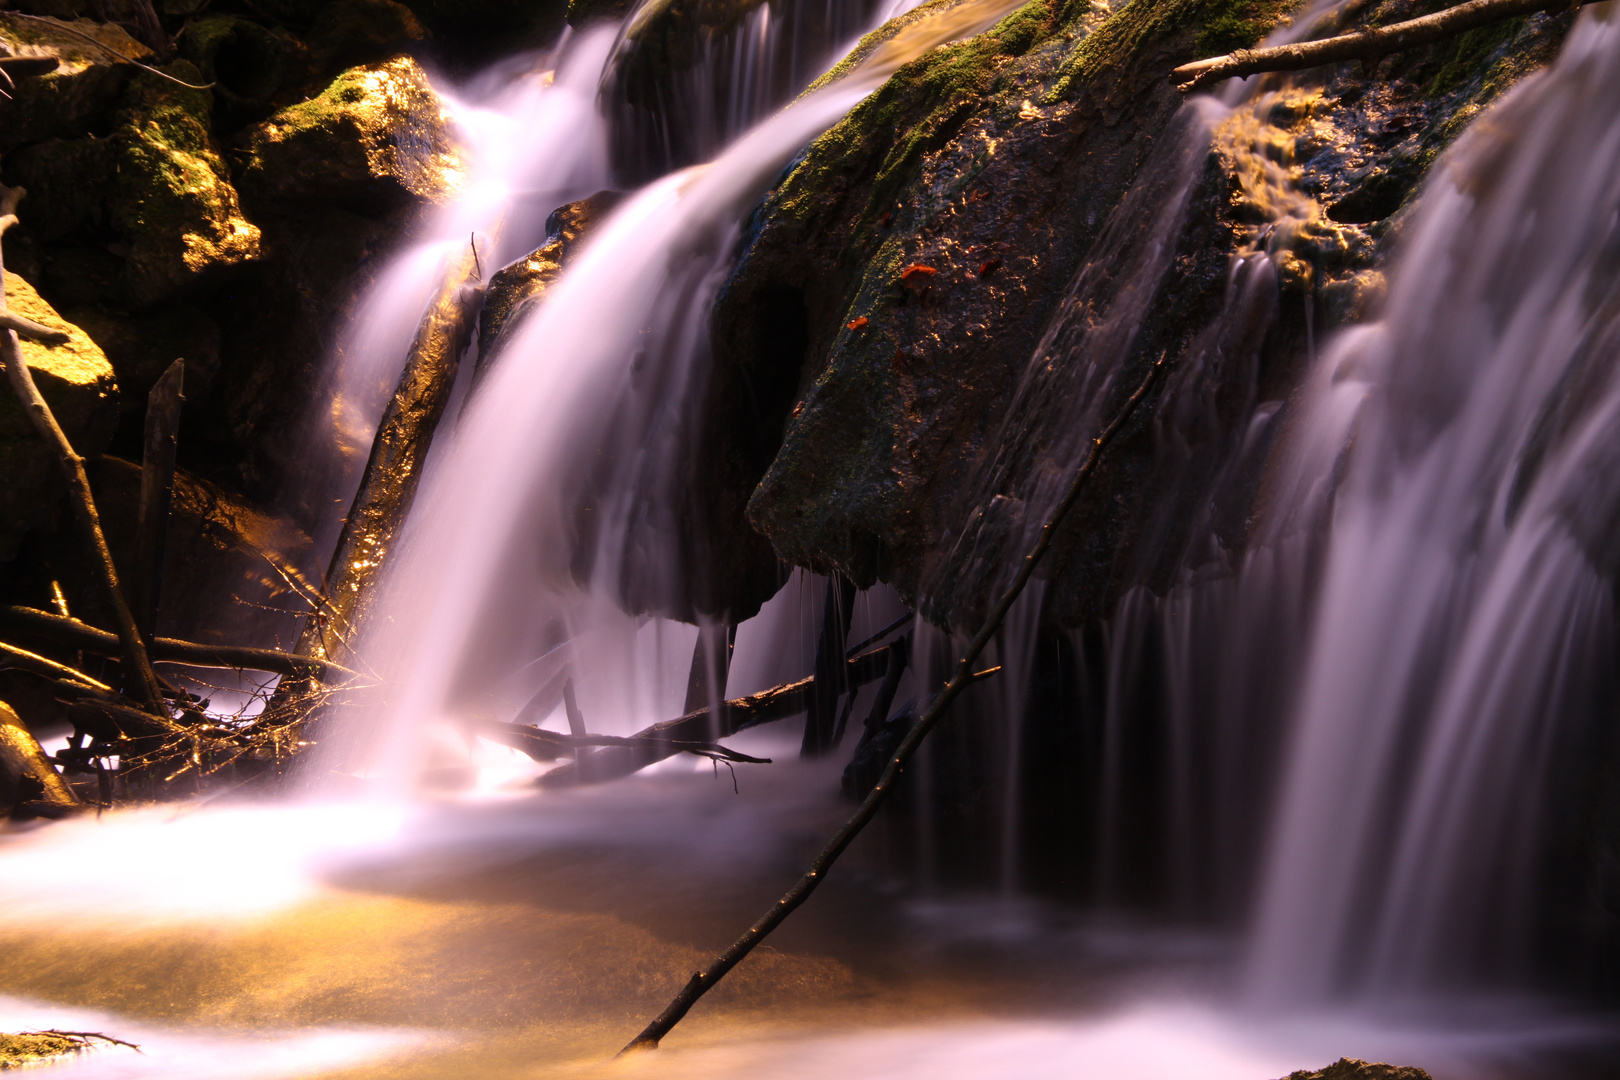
532,937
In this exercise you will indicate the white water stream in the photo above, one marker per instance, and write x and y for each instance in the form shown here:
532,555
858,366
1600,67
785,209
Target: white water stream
497,933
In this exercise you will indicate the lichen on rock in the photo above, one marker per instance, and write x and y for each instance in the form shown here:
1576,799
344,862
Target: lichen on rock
77,382
173,200
378,132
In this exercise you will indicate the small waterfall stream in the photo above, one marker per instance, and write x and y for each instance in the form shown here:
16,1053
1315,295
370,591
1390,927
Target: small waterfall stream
1306,767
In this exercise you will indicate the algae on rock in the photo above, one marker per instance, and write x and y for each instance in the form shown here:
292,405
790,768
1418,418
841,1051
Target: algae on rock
173,200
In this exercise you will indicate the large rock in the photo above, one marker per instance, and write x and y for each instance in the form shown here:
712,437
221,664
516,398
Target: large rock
173,201
378,134
80,95
895,285
77,381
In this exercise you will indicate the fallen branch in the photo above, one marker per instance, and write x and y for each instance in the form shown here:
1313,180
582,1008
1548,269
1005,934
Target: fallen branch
27,328
13,657
704,981
398,453
543,745
21,755
73,634
137,666
1369,44
655,743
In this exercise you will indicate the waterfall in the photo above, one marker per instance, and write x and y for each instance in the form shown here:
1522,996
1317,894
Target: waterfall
1457,676
581,412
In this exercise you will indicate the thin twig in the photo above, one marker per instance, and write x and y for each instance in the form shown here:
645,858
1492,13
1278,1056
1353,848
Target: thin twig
704,981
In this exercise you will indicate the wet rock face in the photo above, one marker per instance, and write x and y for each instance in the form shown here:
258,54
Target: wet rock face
515,288
77,382
932,237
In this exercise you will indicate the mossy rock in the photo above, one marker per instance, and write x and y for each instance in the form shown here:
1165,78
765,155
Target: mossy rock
34,1048
378,136
247,63
78,383
80,96
173,201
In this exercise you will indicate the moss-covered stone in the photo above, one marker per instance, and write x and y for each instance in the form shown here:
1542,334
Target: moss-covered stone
78,384
378,134
246,63
17,1051
77,98
929,236
173,201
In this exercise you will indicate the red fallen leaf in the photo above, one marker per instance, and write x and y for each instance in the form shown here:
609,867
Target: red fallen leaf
982,193
916,273
856,324
990,266
887,218
797,409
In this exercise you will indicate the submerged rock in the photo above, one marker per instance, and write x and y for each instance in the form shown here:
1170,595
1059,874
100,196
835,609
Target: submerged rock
377,134
173,201
32,1048
77,382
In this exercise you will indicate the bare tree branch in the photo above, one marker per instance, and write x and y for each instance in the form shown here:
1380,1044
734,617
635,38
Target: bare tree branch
1368,44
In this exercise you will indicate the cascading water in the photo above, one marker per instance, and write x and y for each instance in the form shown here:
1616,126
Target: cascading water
1407,636
1457,687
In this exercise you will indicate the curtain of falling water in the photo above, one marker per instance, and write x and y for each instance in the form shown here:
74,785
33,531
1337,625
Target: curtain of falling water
1458,673
598,369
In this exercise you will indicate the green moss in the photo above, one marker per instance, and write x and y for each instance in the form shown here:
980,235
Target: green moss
173,203
1473,53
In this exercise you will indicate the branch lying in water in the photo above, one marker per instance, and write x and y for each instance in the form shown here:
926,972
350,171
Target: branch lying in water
1369,44
660,741
704,981
543,745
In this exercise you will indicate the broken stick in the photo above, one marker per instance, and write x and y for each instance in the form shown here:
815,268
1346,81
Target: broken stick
1369,44
705,980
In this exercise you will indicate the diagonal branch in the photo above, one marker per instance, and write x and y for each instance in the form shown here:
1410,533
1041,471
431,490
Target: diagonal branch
1368,44
704,981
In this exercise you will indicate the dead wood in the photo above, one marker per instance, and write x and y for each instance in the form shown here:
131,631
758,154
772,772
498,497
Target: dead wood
21,756
711,663
655,743
33,331
137,665
1368,44
73,634
705,980
157,492
398,453
11,656
543,745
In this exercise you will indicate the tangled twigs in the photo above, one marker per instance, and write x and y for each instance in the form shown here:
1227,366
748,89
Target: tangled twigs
705,980
85,1039
1368,44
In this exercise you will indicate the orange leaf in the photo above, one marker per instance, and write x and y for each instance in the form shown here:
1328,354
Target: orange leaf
990,266
917,270
856,324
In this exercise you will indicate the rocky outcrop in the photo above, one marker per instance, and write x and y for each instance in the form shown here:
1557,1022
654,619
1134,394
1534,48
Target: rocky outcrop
895,286
81,94
77,382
